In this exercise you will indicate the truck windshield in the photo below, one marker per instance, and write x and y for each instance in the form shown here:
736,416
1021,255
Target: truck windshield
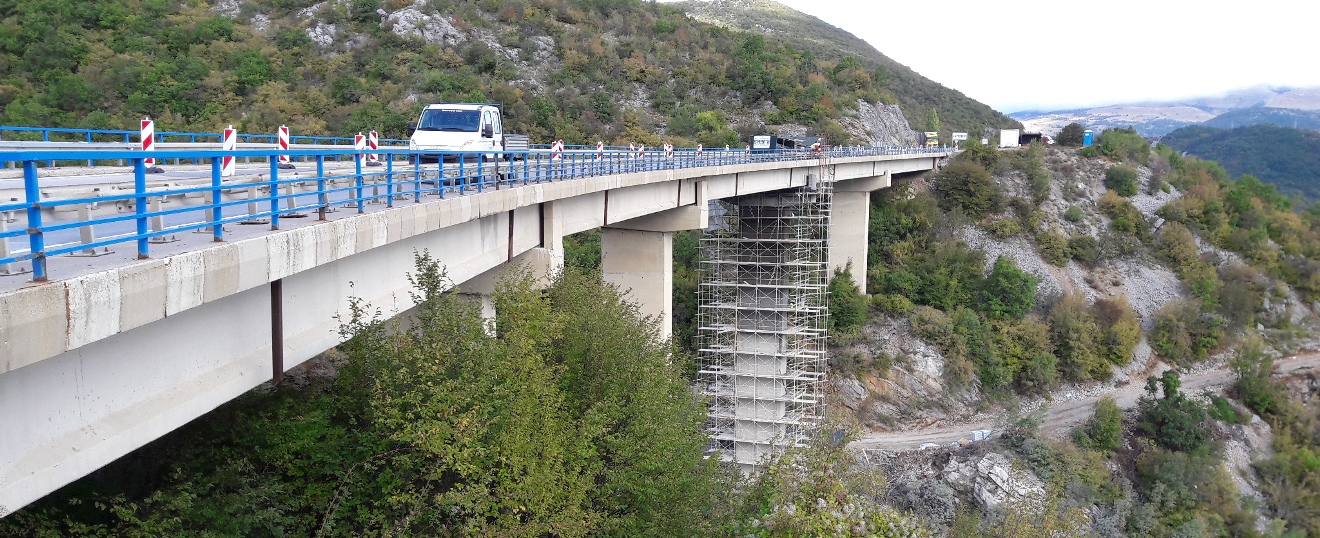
436,119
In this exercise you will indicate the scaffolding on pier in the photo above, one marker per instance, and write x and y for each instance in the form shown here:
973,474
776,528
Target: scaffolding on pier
763,316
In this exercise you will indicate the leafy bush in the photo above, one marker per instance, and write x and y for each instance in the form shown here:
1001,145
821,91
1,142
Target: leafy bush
1122,180
1184,334
1007,293
1072,135
1073,214
1104,431
968,187
1074,330
892,304
1004,228
1123,144
1121,330
1252,367
1173,421
848,305
1053,247
1125,217
1084,249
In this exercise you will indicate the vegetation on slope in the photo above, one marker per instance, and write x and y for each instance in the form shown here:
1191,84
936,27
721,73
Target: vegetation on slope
915,94
577,70
564,418
1285,157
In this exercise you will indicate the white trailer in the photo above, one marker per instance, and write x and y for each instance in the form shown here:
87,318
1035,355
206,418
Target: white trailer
1008,138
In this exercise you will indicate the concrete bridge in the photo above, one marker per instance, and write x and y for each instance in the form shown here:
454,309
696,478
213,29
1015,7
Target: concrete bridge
108,355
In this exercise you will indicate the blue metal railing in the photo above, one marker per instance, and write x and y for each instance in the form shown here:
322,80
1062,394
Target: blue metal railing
69,134
402,174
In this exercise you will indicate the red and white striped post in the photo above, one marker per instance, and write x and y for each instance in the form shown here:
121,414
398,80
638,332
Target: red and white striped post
148,138
641,150
359,144
374,144
557,150
698,150
284,142
669,151
229,142
600,149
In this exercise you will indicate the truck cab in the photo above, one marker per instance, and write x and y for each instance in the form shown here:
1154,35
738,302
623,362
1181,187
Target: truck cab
452,127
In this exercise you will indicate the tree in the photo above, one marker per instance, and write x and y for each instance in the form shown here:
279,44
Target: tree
1072,135
1105,429
1172,420
848,305
933,122
969,187
1074,331
821,490
1008,293
1122,180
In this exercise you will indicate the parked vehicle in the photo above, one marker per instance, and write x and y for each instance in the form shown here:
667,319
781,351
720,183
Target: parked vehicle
446,128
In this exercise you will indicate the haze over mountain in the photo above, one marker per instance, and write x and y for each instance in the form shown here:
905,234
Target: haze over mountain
1251,105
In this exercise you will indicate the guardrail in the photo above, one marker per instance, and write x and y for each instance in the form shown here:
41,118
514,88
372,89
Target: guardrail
73,134
268,196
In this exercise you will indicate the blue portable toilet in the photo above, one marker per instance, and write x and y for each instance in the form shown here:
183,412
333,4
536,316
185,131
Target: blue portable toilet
1087,137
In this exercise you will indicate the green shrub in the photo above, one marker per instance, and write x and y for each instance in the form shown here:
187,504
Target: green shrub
1004,228
1123,144
1072,135
1084,249
967,186
1253,367
1053,247
1074,331
847,303
1105,429
1172,420
892,304
1184,334
1007,293
1121,330
1122,180
1073,214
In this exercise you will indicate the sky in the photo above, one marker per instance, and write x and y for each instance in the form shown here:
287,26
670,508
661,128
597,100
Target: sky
1050,55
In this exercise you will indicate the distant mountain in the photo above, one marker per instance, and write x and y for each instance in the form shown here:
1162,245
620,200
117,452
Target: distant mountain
915,94
1286,157
1300,119
1159,118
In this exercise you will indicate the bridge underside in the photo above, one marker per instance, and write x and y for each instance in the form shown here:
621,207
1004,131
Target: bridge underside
97,365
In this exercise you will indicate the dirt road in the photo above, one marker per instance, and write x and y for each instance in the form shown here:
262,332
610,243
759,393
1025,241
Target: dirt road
1063,416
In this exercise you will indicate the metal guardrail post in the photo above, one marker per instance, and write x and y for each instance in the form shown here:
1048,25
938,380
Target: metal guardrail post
389,181
322,199
357,165
140,206
217,211
274,193
36,240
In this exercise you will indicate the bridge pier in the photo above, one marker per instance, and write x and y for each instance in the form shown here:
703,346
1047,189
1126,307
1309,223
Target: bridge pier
850,223
637,255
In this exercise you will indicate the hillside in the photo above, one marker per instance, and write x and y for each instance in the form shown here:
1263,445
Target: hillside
1285,157
1280,106
578,70
911,91
1299,119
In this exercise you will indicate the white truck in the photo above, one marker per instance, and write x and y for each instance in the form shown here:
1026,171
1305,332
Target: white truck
452,127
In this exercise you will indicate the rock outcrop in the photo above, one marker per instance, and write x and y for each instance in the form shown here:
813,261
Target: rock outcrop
879,125
991,481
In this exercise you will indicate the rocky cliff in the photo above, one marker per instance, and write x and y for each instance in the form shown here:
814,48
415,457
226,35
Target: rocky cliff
880,125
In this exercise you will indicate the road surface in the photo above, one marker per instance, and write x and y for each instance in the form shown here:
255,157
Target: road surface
1063,416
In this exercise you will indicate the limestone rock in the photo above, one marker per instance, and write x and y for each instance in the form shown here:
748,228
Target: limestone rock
880,125
991,480
412,21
